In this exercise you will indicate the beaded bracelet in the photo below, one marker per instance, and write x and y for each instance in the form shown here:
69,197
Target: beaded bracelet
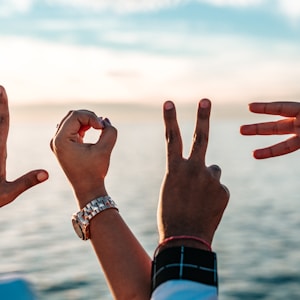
182,237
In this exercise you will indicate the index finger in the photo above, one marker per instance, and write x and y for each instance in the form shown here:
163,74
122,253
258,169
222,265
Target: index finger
4,126
201,132
78,121
285,109
73,125
173,136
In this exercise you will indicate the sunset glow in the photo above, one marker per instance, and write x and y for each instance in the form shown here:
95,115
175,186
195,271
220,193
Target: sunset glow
149,51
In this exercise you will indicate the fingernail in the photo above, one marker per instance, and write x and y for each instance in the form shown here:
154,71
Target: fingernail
107,120
42,176
168,105
101,121
204,103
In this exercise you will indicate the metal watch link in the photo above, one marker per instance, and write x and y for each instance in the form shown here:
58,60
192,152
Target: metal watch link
81,220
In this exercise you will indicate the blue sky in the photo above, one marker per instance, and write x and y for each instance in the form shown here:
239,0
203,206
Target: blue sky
149,51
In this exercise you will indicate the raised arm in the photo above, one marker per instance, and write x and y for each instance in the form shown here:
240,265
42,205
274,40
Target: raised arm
125,263
9,191
192,199
191,206
289,125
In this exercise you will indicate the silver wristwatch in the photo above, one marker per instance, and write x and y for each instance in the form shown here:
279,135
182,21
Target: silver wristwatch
81,220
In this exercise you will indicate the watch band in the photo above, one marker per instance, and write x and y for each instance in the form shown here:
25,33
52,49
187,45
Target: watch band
184,263
81,220
96,206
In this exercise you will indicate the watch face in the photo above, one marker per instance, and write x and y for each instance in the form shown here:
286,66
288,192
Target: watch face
78,229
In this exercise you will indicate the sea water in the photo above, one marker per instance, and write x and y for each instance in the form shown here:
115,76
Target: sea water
257,242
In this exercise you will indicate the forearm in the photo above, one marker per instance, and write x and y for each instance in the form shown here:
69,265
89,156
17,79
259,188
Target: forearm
126,265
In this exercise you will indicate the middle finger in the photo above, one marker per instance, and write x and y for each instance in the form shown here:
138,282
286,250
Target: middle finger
201,132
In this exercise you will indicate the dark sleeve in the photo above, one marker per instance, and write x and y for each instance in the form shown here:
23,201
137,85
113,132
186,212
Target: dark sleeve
184,263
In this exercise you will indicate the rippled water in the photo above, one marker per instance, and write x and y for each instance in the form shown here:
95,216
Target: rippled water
257,243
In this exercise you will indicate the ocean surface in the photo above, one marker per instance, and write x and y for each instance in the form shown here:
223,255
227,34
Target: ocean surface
258,241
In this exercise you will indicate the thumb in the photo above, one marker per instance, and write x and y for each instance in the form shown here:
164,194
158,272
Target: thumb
27,181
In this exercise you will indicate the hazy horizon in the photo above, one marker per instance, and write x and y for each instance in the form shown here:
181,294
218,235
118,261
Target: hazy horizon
123,111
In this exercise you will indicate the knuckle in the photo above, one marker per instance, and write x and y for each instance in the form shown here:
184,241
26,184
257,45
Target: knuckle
51,145
56,144
73,113
171,136
28,182
200,138
193,170
113,130
2,119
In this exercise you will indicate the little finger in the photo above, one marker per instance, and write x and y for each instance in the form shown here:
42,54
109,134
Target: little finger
285,147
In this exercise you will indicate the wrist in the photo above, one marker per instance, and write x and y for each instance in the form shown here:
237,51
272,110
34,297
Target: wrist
169,229
184,240
83,219
85,194
185,243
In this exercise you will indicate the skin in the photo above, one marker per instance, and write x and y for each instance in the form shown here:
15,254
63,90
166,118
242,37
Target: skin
192,199
126,264
289,125
10,190
199,214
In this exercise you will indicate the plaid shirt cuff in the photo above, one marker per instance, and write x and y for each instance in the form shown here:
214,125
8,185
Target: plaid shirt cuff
184,263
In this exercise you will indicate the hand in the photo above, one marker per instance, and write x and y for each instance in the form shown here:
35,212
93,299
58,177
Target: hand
192,200
9,191
126,264
290,125
84,164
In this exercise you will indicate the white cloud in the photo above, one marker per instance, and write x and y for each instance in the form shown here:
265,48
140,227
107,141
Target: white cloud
125,6
38,71
9,7
290,8
122,6
233,2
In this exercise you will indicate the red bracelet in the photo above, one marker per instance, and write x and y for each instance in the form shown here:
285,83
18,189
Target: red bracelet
183,237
